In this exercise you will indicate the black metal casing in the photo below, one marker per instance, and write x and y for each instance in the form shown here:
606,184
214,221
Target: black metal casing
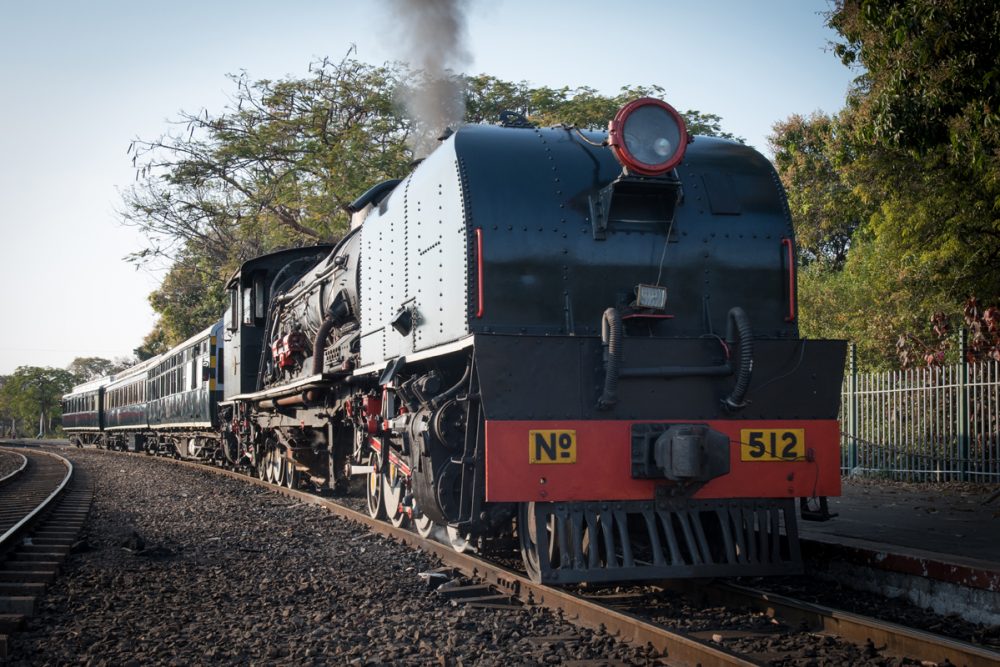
552,263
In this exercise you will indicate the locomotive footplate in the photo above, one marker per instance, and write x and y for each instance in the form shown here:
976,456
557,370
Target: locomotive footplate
668,538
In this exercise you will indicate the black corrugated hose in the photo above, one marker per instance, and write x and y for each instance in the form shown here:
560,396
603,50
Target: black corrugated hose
611,338
319,345
739,319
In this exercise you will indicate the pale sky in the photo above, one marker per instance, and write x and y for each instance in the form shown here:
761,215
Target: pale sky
80,80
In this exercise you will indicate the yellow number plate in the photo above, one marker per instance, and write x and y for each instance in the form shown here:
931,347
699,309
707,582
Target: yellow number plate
551,446
788,444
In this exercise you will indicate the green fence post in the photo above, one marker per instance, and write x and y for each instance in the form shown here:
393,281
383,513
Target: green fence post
852,424
963,405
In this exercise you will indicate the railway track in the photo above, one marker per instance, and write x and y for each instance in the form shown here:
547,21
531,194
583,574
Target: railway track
892,639
631,616
43,505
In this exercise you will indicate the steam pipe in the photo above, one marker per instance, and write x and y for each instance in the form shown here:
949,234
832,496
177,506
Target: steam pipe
738,330
676,371
445,395
307,397
611,334
319,345
372,194
738,320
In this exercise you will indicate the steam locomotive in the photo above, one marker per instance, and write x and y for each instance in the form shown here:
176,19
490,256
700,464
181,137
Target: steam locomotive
588,340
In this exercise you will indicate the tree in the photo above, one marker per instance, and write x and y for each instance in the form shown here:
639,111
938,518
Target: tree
274,169
810,155
584,107
154,343
7,416
898,195
32,393
191,297
85,369
931,76
926,108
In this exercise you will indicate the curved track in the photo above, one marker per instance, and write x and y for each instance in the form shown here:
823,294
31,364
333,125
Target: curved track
40,481
19,466
42,510
623,620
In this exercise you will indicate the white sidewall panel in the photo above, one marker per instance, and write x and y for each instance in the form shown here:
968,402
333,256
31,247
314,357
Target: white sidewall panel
415,255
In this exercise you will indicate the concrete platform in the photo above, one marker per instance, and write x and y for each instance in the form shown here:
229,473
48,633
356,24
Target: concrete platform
951,519
938,545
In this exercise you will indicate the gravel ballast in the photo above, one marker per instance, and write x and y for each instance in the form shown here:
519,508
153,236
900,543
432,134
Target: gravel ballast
185,567
9,462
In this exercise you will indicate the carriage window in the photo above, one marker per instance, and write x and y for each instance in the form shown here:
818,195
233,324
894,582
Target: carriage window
234,315
258,291
248,306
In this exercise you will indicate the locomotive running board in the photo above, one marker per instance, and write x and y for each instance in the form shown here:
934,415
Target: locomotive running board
669,538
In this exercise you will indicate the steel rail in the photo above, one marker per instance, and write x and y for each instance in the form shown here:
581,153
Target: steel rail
7,538
898,640
12,475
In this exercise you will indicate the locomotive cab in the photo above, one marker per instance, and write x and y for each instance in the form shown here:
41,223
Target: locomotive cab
250,291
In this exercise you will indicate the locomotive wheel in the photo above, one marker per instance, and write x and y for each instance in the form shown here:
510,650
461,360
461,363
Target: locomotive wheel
530,541
459,541
291,474
265,463
373,489
392,494
274,464
423,524
277,467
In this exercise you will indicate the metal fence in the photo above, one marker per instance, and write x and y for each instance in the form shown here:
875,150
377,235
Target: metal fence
925,424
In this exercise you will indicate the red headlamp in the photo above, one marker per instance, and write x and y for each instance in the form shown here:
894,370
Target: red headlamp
648,136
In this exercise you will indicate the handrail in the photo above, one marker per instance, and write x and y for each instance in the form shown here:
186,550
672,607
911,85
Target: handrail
790,317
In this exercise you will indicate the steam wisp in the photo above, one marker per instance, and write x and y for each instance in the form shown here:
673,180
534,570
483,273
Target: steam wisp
432,34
